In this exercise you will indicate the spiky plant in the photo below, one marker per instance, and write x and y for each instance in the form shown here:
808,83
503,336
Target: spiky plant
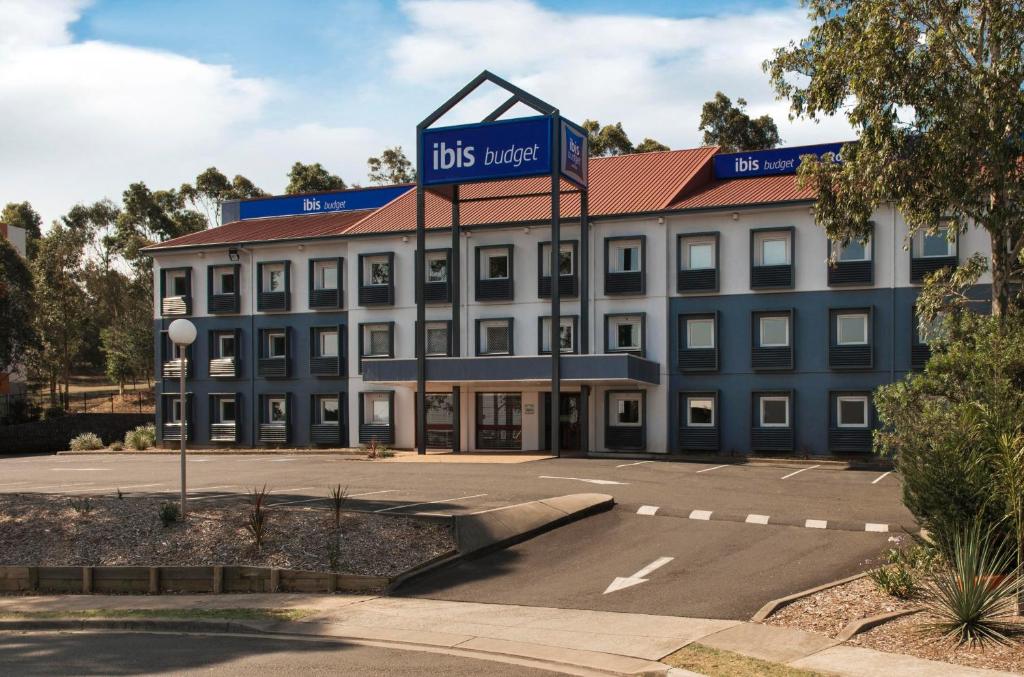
338,498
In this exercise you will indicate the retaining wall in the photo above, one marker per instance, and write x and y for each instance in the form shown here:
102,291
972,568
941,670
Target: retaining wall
43,437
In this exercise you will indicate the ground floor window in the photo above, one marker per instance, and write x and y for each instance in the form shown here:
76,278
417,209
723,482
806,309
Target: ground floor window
377,408
276,409
700,412
625,414
499,420
774,411
327,411
852,411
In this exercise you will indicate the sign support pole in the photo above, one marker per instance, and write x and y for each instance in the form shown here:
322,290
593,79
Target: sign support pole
421,308
555,416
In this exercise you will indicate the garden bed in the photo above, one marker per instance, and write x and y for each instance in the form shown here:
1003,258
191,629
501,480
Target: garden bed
47,531
828,612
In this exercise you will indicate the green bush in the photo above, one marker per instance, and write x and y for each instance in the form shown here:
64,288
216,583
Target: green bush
895,581
141,438
169,513
86,442
902,577
116,446
973,596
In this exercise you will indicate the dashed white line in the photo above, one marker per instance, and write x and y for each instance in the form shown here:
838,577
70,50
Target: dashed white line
816,524
700,514
757,519
710,469
877,528
881,477
443,500
647,510
812,467
627,465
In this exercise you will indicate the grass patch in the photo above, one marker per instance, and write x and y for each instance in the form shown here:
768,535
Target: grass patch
242,614
717,663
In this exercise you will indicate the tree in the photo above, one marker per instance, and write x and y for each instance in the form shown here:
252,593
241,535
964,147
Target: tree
303,178
153,216
17,306
731,128
62,306
212,188
934,92
613,140
127,344
390,168
22,215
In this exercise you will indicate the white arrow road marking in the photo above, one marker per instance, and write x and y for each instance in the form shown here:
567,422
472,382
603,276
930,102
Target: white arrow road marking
621,583
580,479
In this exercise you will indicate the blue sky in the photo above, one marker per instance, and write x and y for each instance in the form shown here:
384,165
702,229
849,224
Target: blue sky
102,93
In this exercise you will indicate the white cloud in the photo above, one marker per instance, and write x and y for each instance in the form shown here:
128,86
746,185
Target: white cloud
651,73
81,120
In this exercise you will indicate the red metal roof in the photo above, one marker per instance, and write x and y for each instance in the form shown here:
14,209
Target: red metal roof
739,192
621,184
269,229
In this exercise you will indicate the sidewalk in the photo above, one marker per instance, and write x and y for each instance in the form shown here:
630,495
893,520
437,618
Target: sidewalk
596,641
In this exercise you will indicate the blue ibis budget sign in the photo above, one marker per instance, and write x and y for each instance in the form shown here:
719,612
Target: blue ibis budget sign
505,149
574,153
769,162
338,201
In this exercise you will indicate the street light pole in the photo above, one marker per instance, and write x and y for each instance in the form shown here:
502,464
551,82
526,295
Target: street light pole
182,333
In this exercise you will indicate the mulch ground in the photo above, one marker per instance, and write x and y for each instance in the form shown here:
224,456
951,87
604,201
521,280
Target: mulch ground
48,531
829,611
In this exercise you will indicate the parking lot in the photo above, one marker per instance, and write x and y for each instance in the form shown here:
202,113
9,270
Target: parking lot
692,539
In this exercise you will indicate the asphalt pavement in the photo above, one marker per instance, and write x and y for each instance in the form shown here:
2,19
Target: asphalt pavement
687,539
81,653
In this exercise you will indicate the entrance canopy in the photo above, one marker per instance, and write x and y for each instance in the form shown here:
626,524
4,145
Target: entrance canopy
594,369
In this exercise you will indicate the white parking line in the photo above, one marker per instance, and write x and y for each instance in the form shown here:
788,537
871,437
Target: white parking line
757,519
816,524
881,477
443,500
877,528
103,489
281,491
627,465
800,471
11,484
281,460
327,498
647,510
53,486
580,479
710,469
701,515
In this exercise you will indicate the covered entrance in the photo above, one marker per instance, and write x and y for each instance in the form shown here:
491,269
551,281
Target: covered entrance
569,422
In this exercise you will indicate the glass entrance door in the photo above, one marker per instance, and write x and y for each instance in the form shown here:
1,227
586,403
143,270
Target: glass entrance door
499,421
440,420
568,424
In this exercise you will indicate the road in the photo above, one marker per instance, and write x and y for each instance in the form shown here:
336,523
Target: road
154,654
729,537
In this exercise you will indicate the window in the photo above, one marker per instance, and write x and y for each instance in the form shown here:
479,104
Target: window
499,420
933,246
437,266
625,257
699,255
495,264
700,333
566,334
626,410
178,351
854,251
852,329
277,410
178,283
377,270
327,343
226,412
437,338
773,250
325,275
773,331
494,337
273,277
226,282
774,411
277,344
625,333
566,259
377,340
852,411
328,411
226,345
930,331
174,410
377,408
700,412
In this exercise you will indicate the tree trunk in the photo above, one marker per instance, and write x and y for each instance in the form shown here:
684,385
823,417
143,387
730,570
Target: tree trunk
1001,268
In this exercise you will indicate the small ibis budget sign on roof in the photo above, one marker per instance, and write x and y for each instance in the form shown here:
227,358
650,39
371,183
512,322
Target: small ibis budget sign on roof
340,201
769,162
